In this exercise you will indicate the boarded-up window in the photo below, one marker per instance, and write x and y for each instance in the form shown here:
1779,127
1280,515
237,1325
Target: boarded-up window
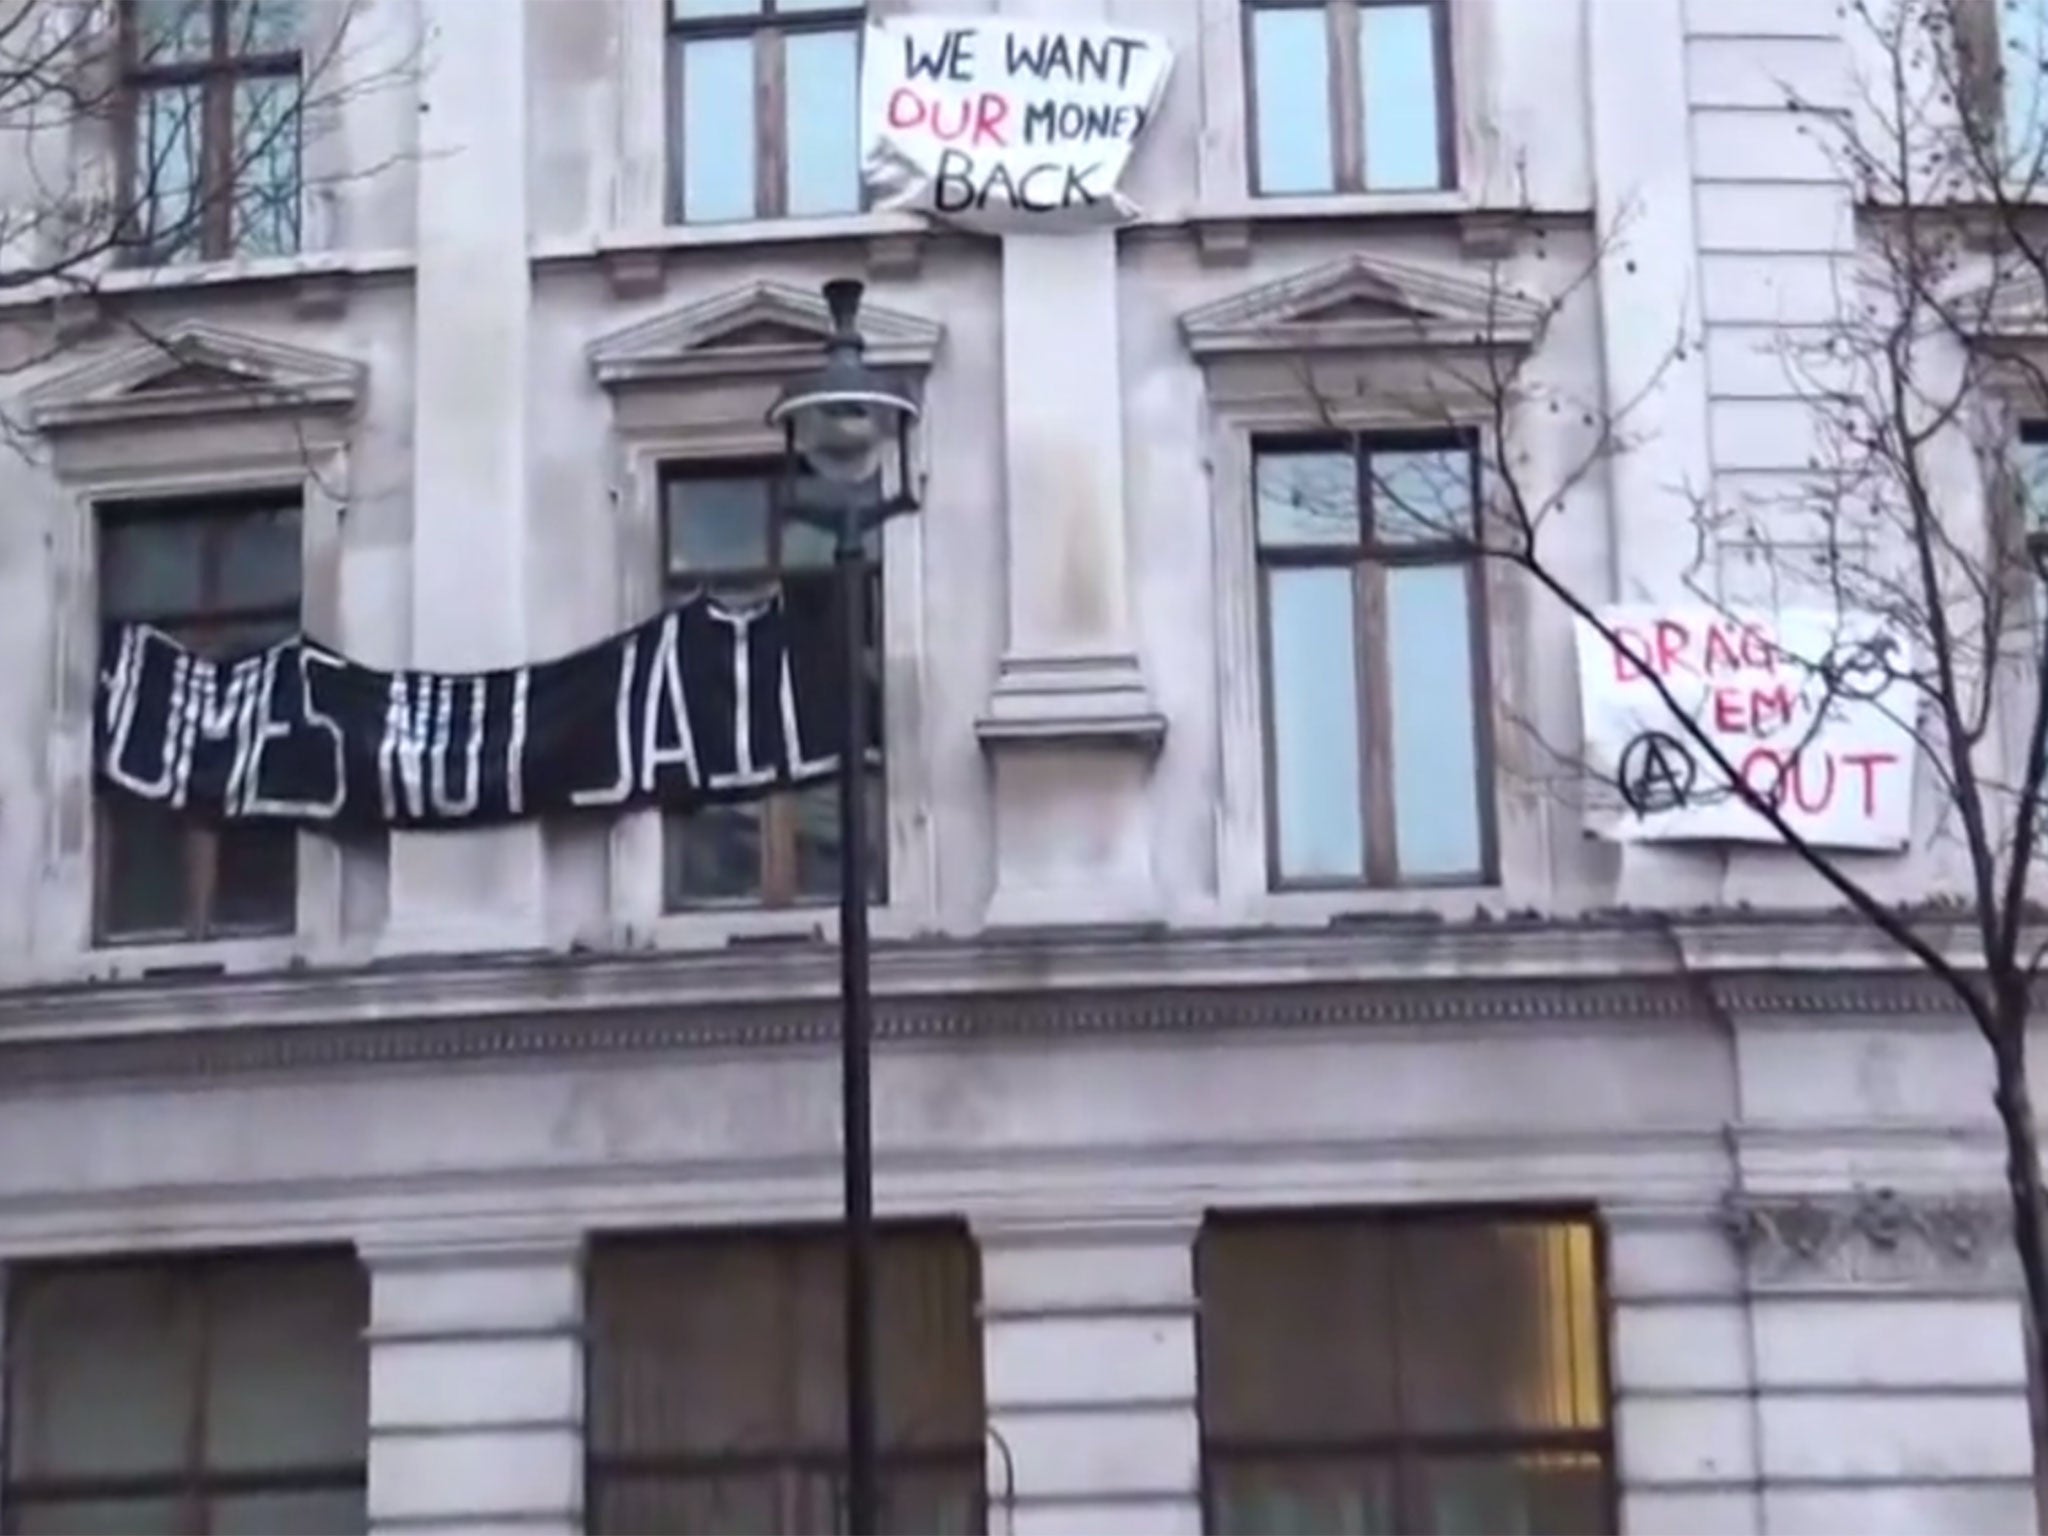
717,1400
222,1394
1427,1373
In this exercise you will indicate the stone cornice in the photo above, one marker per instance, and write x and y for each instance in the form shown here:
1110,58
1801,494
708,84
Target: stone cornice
1149,982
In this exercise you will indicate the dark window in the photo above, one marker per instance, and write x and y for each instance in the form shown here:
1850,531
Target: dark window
764,109
724,532
213,95
1349,95
220,575
216,1394
1375,672
715,1383
1434,1373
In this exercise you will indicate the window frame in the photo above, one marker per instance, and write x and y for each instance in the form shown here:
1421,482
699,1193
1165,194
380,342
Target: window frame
1368,559
778,887
1341,20
769,28
201,842
969,1458
193,1485
216,74
1403,1449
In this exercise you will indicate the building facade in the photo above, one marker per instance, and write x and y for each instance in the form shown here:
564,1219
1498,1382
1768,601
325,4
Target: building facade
1288,1117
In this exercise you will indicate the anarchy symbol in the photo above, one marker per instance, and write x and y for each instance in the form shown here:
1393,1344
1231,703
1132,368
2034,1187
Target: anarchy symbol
1656,773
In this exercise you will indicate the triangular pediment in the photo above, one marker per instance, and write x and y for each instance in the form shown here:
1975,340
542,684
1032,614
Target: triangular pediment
1364,302
193,368
762,328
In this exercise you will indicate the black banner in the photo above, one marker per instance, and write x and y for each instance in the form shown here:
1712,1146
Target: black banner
708,701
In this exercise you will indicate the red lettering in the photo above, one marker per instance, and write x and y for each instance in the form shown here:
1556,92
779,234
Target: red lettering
1631,655
1757,650
989,113
1721,656
899,99
1672,639
1728,716
1769,708
1801,769
1869,762
938,121
1773,792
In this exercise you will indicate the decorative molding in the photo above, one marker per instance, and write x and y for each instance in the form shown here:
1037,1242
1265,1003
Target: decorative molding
1363,302
1072,699
194,369
1870,1236
763,328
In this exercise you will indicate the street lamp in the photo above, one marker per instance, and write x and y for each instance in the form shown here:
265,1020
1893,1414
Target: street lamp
841,422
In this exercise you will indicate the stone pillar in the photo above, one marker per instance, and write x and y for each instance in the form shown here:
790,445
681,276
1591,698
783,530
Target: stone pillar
1070,725
476,1387
1088,1339
479,889
1891,1382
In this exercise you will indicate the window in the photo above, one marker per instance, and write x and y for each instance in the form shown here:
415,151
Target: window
212,151
764,109
1349,95
723,532
715,1383
1372,608
2023,58
1435,1373
220,575
218,1394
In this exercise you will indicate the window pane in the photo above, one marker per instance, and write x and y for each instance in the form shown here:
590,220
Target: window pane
170,30
1500,1327
152,567
1303,1496
167,169
1556,1493
1307,498
1290,85
821,102
266,166
259,560
288,1371
326,1512
718,129
2023,45
739,1503
695,10
1435,749
1296,1331
99,1381
255,879
1314,682
98,1517
263,26
1421,496
713,853
784,7
717,523
1397,81
144,865
817,840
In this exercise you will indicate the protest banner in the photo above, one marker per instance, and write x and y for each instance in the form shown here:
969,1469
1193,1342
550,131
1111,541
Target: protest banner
1005,126
1813,709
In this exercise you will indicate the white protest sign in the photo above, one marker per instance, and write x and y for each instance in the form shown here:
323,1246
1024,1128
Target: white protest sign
1812,709
1005,126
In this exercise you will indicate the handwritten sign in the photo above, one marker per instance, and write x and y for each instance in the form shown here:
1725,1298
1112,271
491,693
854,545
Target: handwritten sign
1005,126
1811,709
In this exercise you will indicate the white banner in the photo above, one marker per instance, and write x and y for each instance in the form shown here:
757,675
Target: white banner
1005,126
1813,709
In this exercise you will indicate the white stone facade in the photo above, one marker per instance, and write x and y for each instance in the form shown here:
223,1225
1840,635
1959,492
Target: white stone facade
1099,1022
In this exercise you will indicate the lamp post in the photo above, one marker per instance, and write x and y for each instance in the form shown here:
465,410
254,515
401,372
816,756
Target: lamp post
840,422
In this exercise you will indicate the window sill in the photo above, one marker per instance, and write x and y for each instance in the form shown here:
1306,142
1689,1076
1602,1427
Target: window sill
1308,908
633,257
171,961
742,928
321,270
